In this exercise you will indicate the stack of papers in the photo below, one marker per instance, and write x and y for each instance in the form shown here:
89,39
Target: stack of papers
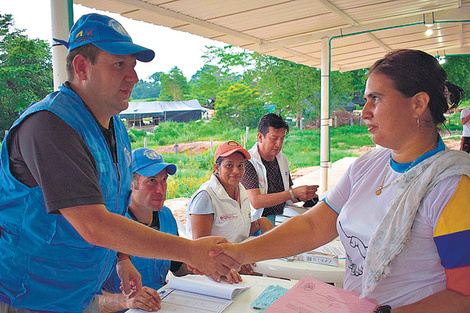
310,295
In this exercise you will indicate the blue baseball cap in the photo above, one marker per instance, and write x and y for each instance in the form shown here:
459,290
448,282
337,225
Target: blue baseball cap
107,34
148,163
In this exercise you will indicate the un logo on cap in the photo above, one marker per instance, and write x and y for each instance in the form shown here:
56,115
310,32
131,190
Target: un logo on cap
118,27
151,154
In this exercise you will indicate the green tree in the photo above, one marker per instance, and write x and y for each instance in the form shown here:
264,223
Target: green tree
292,88
175,87
458,72
344,84
148,89
288,85
239,105
25,71
229,58
206,83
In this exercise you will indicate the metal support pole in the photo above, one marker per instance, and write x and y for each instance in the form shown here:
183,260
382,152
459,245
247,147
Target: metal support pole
62,21
247,133
325,116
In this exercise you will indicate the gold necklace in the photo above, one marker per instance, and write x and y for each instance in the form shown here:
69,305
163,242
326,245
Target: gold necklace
379,191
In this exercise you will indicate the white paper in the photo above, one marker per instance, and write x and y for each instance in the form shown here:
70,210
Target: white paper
196,294
206,286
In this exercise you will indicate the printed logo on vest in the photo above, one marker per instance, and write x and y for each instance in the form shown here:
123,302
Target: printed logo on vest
229,217
128,156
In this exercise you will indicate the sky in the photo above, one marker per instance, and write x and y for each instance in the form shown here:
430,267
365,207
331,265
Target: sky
172,48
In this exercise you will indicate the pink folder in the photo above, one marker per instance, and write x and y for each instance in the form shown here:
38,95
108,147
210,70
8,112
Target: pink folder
310,295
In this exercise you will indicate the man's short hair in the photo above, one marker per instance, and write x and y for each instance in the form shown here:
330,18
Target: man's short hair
135,177
89,51
271,120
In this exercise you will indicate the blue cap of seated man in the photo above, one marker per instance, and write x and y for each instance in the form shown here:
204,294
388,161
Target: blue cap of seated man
107,34
147,162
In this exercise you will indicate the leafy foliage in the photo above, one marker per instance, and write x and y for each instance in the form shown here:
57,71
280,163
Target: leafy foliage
174,86
25,71
288,85
148,89
206,84
239,105
458,71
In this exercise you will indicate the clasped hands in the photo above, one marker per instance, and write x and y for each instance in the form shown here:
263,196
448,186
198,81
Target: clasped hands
221,260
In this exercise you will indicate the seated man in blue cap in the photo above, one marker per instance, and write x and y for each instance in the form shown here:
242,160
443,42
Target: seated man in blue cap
65,178
149,185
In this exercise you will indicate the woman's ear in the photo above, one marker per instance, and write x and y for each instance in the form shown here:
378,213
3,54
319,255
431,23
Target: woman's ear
421,101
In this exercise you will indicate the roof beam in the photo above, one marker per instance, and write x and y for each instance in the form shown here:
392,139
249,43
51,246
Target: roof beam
352,22
333,8
461,34
449,50
187,19
452,15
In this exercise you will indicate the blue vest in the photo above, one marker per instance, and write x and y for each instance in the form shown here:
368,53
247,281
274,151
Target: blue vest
153,271
45,265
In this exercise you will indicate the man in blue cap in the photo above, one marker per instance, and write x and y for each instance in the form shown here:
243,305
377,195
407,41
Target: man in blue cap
149,185
65,181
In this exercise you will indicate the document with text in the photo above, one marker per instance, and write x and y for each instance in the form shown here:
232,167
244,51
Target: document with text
313,296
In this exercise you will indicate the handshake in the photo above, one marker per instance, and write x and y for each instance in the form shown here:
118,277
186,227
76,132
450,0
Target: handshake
216,257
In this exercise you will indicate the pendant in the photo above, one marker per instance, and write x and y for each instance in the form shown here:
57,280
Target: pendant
378,192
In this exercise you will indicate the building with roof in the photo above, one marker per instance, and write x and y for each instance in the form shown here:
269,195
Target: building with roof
161,111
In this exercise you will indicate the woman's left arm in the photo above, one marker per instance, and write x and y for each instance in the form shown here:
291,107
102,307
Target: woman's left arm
201,225
445,301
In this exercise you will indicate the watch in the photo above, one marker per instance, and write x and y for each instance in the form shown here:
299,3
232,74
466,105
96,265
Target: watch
383,309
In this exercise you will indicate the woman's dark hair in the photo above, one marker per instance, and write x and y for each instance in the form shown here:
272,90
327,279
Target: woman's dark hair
221,158
89,51
271,120
414,71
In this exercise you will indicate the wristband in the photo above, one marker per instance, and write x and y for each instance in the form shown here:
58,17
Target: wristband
291,195
383,309
122,257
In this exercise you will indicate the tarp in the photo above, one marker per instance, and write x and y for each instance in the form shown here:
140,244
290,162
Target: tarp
178,111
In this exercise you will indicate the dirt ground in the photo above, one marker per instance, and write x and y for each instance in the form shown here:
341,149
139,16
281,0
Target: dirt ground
190,147
178,206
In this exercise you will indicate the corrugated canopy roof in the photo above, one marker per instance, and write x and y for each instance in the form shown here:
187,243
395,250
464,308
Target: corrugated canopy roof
150,107
360,31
